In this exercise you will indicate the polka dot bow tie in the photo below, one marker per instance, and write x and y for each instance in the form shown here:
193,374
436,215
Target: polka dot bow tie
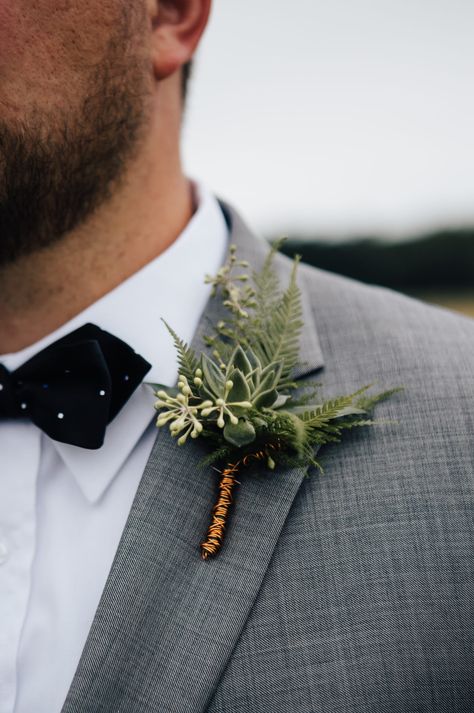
75,387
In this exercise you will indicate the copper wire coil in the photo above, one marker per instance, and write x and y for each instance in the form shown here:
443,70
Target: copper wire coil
216,531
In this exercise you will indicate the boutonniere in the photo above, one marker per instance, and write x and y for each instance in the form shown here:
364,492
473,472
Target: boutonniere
239,394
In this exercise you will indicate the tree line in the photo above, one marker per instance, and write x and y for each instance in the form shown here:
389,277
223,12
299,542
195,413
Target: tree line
441,260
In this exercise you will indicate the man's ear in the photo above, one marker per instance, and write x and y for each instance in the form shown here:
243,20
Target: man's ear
177,26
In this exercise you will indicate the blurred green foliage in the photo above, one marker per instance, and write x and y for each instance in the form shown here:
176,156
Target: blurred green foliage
439,261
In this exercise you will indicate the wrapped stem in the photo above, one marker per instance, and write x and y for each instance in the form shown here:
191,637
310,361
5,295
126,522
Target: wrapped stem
215,533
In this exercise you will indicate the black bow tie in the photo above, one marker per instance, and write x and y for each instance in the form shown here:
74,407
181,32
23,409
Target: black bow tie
75,387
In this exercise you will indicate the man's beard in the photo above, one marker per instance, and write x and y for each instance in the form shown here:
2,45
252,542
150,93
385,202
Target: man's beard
55,170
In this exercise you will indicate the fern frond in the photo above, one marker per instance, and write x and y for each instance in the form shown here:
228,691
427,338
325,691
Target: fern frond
279,340
357,423
187,359
267,288
369,402
326,412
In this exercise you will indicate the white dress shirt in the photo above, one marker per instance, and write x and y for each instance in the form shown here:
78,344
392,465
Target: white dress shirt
63,508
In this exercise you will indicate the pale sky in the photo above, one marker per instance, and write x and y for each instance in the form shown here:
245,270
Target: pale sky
337,117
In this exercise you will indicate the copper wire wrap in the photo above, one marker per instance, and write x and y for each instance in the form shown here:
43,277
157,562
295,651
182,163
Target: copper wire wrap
216,531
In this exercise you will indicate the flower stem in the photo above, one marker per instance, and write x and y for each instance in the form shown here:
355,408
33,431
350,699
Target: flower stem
215,533
216,530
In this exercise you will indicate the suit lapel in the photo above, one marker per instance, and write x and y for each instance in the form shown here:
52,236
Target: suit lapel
168,621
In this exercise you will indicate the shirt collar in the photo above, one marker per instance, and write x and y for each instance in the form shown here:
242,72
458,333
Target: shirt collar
171,288
94,470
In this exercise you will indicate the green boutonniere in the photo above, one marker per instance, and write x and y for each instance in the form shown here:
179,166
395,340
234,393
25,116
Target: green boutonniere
241,397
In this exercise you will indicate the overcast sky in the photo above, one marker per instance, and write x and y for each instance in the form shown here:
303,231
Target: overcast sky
337,117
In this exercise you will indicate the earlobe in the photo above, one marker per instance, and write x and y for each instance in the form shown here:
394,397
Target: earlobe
177,26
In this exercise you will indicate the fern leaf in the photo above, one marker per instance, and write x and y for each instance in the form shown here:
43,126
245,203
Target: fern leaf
187,360
279,341
267,289
359,423
326,412
369,402
333,409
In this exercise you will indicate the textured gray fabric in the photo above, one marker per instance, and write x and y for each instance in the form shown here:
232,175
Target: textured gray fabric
344,592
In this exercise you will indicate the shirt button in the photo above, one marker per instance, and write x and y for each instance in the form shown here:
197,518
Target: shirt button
3,552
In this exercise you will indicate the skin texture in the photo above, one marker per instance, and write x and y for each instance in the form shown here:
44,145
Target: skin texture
91,182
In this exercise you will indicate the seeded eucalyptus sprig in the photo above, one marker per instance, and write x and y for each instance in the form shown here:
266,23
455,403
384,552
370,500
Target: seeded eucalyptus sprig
241,397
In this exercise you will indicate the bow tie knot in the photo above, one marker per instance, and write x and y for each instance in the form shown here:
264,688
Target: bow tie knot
75,387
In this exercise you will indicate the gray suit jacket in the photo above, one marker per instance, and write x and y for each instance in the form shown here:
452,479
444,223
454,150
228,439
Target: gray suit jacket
344,592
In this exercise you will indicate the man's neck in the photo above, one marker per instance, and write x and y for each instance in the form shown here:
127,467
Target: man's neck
44,290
